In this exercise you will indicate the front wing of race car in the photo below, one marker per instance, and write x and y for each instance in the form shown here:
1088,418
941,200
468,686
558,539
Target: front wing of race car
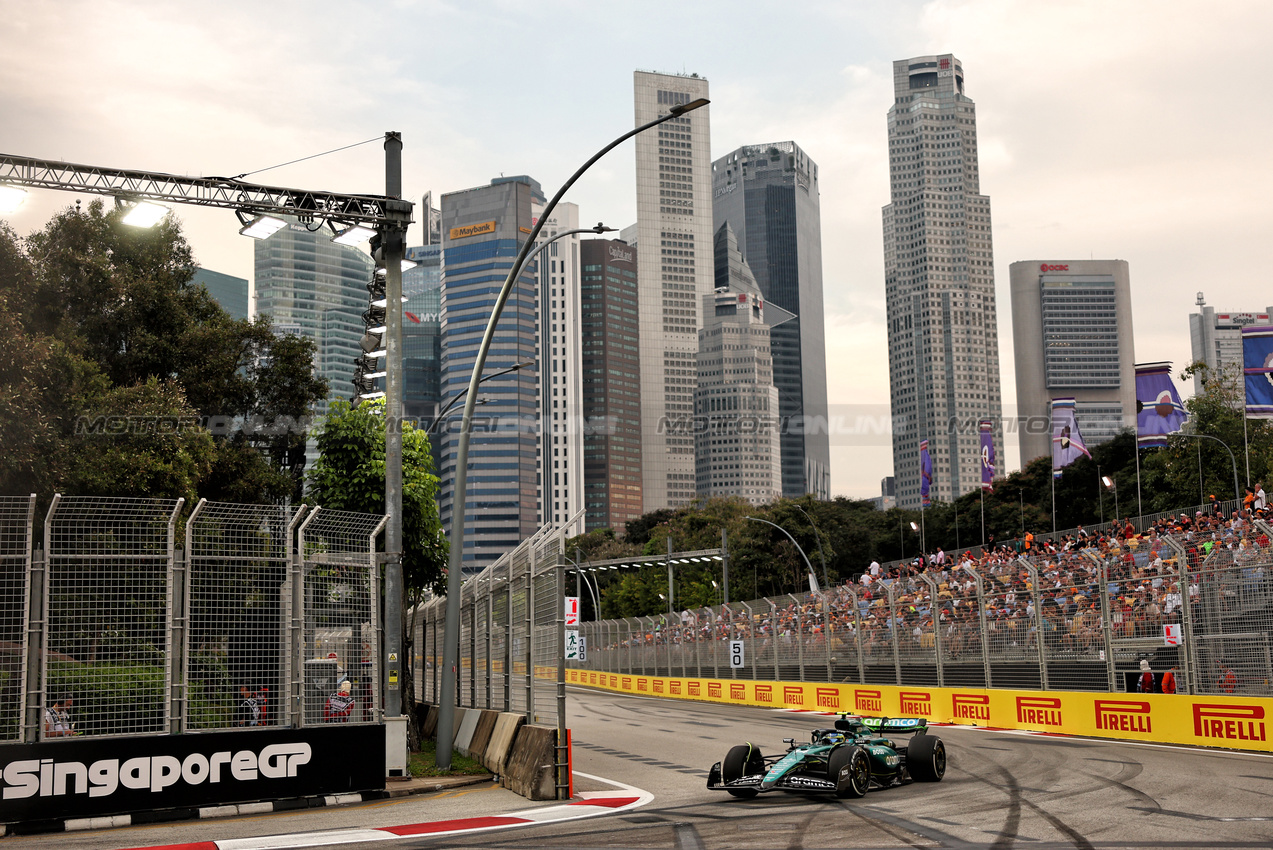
754,782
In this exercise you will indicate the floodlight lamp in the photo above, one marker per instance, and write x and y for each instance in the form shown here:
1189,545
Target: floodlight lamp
378,329
145,214
384,302
372,396
914,526
373,375
1107,481
379,352
262,227
11,197
353,235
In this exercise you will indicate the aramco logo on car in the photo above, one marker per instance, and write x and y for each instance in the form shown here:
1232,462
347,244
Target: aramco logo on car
1039,711
971,707
918,703
1123,716
1229,722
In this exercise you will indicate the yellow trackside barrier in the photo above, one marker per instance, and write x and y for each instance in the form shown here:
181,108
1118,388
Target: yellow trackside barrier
1235,722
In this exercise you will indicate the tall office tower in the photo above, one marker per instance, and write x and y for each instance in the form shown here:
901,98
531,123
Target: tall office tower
227,290
611,370
1072,338
561,446
943,345
769,195
738,452
422,339
314,287
481,231
674,268
1217,337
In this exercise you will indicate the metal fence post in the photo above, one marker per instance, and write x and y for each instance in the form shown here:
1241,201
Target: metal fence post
563,765
934,607
530,637
34,613
1037,597
894,630
981,623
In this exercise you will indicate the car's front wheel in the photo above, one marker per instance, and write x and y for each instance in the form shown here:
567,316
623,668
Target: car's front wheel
741,761
926,758
850,769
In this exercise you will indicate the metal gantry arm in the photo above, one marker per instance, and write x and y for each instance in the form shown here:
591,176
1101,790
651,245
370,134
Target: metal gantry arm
221,192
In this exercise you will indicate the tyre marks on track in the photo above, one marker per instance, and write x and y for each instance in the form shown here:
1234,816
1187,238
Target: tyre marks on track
608,751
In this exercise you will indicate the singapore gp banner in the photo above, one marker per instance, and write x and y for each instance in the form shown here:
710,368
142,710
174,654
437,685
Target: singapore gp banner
987,455
1158,408
1257,363
925,473
91,777
1067,440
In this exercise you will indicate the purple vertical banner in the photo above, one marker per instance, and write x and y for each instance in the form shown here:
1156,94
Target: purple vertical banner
1257,369
1067,440
925,473
1158,408
987,455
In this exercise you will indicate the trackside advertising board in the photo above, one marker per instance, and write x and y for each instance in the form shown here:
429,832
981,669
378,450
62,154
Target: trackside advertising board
1241,723
91,777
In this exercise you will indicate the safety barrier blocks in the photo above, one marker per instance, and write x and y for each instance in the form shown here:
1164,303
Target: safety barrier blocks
521,755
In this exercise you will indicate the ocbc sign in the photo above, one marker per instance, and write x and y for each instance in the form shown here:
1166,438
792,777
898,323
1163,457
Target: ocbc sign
1052,268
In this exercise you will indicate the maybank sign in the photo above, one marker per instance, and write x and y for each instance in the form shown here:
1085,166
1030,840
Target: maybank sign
1210,721
467,230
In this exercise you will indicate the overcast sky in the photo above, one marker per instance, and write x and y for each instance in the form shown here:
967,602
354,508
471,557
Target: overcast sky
1109,130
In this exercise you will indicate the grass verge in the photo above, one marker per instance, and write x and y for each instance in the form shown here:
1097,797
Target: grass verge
423,763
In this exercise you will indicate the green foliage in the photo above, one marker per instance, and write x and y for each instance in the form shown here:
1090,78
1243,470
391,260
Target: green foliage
350,476
98,319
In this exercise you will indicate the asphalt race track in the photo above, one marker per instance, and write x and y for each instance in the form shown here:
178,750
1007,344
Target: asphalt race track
1002,789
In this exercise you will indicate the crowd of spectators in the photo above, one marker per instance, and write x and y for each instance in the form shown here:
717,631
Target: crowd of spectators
935,598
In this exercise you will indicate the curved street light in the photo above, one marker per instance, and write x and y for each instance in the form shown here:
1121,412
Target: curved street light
1237,492
455,564
818,537
433,423
793,542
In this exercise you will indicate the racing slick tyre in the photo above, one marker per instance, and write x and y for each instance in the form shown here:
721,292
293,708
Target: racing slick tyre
850,769
926,758
740,761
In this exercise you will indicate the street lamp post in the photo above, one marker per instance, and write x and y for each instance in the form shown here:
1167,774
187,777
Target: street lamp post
451,650
1109,485
435,421
793,543
826,582
1237,492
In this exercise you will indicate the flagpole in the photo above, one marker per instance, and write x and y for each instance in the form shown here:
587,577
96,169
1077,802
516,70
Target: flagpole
983,515
1054,504
1140,510
1246,448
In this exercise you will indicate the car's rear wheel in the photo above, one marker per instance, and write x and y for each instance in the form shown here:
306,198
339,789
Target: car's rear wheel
926,758
741,761
850,769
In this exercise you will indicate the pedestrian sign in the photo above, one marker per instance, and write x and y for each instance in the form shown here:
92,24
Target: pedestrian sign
574,645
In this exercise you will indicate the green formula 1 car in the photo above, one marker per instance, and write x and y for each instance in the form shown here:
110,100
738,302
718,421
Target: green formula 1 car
846,761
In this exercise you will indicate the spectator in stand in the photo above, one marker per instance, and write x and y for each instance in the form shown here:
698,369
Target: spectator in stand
1248,500
1261,504
249,709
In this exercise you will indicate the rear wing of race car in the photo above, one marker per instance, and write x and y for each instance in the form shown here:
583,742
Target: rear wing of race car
895,725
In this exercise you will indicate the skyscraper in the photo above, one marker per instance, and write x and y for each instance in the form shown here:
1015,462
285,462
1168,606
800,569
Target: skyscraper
738,451
481,231
611,370
943,346
229,291
317,288
1216,337
674,247
561,491
769,196
1072,338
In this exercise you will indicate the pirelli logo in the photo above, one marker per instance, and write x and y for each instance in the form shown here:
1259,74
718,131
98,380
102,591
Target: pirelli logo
737,690
713,690
868,701
643,684
674,688
467,230
764,693
1229,722
627,683
593,677
792,695
828,697
658,686
695,689
918,703
1039,711
1123,716
614,681
970,707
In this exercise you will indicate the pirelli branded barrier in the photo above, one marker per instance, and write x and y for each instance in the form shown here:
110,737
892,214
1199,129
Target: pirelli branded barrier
1211,721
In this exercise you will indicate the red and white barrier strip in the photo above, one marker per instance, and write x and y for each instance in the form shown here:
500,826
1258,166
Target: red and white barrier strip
590,805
